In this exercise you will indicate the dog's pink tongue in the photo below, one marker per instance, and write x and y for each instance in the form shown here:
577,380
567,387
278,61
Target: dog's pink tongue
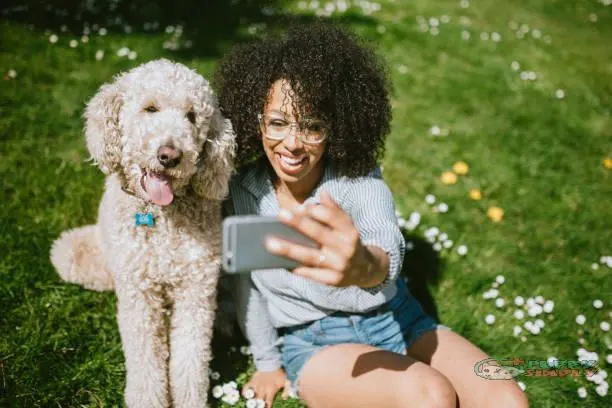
159,189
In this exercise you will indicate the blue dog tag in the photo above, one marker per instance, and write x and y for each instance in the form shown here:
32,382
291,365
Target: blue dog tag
144,219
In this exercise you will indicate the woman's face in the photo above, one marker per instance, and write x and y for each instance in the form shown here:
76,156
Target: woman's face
293,160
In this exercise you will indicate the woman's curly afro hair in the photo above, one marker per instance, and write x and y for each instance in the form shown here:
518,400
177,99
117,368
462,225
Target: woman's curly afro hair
334,76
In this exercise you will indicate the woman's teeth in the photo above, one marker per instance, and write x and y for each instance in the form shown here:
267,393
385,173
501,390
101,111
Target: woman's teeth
292,162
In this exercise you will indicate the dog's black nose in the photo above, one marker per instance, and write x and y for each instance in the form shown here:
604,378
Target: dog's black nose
169,157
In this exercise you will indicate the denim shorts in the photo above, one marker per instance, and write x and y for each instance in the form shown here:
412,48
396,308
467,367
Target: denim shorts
394,327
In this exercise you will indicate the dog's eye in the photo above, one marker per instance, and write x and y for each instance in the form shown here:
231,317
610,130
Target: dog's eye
191,116
151,109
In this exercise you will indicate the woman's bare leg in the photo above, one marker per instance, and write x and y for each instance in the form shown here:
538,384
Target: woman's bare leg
357,375
455,357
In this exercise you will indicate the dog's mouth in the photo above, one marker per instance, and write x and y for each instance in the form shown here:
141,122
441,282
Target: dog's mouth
158,187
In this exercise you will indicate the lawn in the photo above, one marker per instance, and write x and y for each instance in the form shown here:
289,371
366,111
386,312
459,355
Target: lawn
520,91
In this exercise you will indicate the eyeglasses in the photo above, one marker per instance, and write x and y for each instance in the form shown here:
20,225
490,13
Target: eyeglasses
311,131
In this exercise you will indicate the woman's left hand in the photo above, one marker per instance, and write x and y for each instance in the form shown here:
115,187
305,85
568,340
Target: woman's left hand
341,259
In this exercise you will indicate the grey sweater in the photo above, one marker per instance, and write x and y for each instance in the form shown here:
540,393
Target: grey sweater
269,299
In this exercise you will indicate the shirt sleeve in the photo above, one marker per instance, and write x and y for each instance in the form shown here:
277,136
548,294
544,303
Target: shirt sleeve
373,213
254,320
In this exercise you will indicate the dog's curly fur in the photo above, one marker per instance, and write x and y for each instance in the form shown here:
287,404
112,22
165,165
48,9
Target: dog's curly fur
165,276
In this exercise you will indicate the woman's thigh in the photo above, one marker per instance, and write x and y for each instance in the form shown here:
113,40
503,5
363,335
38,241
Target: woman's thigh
358,375
455,357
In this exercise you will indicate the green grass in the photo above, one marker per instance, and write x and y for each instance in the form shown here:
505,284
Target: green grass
536,156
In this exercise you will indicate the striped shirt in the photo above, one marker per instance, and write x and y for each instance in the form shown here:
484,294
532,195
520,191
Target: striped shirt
273,298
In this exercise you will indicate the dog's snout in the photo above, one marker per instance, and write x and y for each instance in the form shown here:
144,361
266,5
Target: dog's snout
169,157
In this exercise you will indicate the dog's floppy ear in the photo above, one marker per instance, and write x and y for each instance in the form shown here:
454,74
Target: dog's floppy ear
102,131
216,165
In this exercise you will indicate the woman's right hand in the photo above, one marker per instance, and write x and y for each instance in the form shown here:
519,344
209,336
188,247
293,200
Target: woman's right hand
266,384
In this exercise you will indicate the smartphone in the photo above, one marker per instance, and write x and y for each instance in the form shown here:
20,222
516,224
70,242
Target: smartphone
243,243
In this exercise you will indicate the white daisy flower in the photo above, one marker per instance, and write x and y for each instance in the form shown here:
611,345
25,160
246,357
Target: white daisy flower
516,330
609,358
594,266
409,245
465,34
601,390
443,236
496,37
228,388
539,299
535,330
261,403
580,319
462,250
84,39
535,33
552,361
484,36
435,131
214,375
519,314
12,73
515,65
519,301
123,51
491,294
245,350
217,391
582,392
430,198
528,325
530,302
132,55
500,302
432,232
495,285
540,323
231,399
489,319
248,393
534,310
251,403
500,279
548,307
447,244
73,43
597,304
99,55
102,31
603,374
605,326
53,38
559,94
437,247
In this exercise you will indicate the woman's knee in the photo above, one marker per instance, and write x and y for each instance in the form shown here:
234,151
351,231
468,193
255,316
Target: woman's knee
511,396
435,391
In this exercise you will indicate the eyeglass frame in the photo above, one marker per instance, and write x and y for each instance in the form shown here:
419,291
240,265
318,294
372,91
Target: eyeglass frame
291,124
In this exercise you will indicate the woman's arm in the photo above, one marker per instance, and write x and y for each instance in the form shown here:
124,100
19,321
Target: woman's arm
255,323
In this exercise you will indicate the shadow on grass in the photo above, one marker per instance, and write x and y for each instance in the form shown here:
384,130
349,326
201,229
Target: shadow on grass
207,27
422,268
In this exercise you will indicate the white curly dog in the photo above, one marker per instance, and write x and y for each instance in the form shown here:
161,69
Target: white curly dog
157,133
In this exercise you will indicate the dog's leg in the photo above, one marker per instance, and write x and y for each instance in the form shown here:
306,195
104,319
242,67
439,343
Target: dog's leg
142,325
190,344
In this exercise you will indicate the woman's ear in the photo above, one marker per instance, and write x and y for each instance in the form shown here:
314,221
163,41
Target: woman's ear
211,181
102,130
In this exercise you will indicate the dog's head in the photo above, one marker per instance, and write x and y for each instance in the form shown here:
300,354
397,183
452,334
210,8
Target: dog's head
159,128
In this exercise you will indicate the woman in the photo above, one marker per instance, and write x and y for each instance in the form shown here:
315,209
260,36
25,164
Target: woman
311,112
